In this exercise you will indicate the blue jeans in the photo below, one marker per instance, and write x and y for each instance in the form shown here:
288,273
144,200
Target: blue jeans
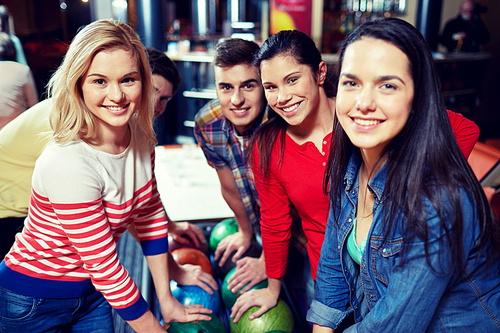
91,313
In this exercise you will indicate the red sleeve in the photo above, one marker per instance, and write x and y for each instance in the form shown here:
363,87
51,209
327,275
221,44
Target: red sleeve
465,130
276,221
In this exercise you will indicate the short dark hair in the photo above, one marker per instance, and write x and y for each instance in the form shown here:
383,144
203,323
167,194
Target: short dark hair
162,65
234,51
7,47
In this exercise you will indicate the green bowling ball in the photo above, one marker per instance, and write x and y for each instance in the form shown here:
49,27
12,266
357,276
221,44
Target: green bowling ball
223,229
228,297
212,326
279,318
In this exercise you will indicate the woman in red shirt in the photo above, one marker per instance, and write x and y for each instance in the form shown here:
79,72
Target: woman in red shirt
290,152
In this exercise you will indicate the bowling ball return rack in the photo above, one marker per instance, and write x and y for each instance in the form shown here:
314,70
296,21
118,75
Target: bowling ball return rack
300,323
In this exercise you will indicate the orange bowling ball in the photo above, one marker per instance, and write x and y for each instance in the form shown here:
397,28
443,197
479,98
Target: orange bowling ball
194,257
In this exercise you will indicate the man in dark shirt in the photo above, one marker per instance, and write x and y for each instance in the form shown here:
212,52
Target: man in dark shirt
466,32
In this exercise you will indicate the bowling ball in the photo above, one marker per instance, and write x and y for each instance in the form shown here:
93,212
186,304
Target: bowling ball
228,297
193,257
188,295
278,318
221,230
253,251
201,326
174,245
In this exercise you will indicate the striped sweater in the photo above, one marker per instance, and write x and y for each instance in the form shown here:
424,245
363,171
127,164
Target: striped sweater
82,201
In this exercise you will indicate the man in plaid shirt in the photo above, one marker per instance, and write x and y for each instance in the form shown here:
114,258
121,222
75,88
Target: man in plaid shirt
224,128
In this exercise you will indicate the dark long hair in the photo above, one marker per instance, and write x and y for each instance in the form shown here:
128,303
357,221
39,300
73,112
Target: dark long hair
301,48
423,160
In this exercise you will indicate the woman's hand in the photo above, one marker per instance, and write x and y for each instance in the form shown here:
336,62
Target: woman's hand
249,272
193,275
239,242
175,311
257,297
182,230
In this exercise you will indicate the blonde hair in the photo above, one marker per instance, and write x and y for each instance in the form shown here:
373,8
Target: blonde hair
69,117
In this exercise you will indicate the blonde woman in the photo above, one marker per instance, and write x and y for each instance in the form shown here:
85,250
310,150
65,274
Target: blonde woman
92,182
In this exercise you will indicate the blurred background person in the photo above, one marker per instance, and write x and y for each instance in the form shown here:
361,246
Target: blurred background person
166,79
5,27
17,88
466,32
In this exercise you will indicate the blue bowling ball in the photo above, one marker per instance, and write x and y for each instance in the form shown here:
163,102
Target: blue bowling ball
188,295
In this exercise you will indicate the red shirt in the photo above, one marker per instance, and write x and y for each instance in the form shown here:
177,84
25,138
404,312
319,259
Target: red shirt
466,132
299,179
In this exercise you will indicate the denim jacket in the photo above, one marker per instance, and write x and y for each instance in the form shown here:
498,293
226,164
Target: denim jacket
388,296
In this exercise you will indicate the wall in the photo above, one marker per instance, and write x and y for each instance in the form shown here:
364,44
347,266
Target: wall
488,117
411,12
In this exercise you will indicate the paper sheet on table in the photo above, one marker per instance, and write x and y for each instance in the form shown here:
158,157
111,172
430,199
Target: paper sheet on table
189,188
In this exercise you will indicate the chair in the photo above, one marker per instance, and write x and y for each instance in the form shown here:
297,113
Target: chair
482,158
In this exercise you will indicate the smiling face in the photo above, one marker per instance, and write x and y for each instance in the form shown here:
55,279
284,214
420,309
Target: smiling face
466,9
112,88
163,93
291,88
375,93
240,94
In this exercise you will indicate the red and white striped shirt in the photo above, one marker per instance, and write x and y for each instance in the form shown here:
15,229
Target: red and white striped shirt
82,201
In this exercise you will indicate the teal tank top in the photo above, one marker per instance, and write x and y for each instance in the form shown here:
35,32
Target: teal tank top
355,251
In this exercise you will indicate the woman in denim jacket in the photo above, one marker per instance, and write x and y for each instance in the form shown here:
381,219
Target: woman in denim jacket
411,243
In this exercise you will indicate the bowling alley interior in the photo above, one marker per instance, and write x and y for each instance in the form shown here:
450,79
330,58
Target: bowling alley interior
187,31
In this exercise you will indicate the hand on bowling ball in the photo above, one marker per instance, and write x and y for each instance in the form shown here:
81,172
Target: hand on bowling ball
172,310
193,275
238,242
264,298
249,272
182,230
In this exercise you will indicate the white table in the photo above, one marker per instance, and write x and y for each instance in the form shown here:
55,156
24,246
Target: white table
189,188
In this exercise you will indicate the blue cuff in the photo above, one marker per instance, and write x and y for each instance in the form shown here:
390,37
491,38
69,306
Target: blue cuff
324,315
134,311
154,246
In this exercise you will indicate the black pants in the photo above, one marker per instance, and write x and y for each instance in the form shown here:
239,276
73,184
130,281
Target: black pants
9,227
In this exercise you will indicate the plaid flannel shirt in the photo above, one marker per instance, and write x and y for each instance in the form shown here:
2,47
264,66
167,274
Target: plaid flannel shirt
217,138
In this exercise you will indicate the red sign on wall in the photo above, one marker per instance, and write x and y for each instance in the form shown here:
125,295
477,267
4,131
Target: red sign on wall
290,15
